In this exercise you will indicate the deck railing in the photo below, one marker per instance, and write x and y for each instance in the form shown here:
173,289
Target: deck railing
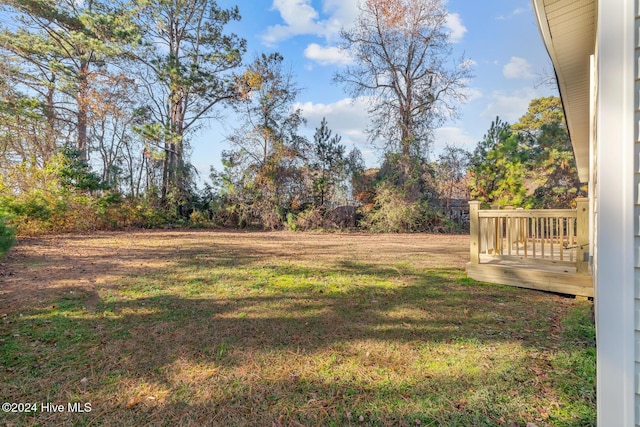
543,236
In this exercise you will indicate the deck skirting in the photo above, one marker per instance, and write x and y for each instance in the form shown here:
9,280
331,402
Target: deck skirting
533,277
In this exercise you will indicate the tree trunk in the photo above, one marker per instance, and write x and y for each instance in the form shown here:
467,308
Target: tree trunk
83,108
50,115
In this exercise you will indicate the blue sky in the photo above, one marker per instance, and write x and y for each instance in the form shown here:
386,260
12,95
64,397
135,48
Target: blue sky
500,37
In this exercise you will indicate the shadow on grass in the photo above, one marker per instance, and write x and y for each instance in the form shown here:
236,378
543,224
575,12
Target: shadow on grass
285,344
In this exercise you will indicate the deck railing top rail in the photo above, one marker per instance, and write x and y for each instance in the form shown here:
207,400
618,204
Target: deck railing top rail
528,213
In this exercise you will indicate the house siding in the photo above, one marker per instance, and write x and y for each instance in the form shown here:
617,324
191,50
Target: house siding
617,247
636,103
615,191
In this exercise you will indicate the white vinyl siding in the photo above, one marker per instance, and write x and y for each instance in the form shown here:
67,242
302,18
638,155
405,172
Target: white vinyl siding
616,262
636,102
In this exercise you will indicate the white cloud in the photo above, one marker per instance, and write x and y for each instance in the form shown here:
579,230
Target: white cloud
516,12
347,117
453,136
342,13
456,27
509,106
327,55
473,94
518,68
300,18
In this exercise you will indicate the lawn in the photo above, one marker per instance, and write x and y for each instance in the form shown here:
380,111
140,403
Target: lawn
283,329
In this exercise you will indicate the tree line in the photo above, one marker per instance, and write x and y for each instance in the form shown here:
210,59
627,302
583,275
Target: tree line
99,102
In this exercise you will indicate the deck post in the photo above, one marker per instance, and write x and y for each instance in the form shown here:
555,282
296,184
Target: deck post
474,228
582,235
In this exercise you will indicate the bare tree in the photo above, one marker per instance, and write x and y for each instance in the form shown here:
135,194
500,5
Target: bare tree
451,173
401,50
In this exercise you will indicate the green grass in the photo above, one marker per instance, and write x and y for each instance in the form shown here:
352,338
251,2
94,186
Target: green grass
318,340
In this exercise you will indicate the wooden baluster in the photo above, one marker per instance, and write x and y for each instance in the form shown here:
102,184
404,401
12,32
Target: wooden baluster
550,236
495,207
509,234
526,235
501,230
562,222
571,229
534,222
543,222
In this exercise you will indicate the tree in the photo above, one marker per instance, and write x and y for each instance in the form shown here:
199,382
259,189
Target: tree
541,111
451,174
499,167
529,164
552,162
114,110
187,59
58,48
22,130
401,49
328,163
269,148
267,93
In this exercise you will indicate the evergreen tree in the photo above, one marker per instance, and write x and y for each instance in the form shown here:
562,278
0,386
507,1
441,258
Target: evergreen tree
328,163
528,164
499,167
187,61
57,50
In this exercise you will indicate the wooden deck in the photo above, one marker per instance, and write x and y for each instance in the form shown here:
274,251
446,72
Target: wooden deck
536,249
552,278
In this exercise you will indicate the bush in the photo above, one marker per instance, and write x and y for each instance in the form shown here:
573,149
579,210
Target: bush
7,235
392,213
311,219
437,222
291,223
40,212
199,219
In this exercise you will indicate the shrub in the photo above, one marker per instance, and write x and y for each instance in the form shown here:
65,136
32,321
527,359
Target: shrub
199,219
291,223
311,219
437,222
7,235
392,212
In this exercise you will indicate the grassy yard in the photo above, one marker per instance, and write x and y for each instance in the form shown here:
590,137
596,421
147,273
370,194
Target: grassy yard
284,329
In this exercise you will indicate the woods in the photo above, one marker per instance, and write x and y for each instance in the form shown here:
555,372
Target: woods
101,101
